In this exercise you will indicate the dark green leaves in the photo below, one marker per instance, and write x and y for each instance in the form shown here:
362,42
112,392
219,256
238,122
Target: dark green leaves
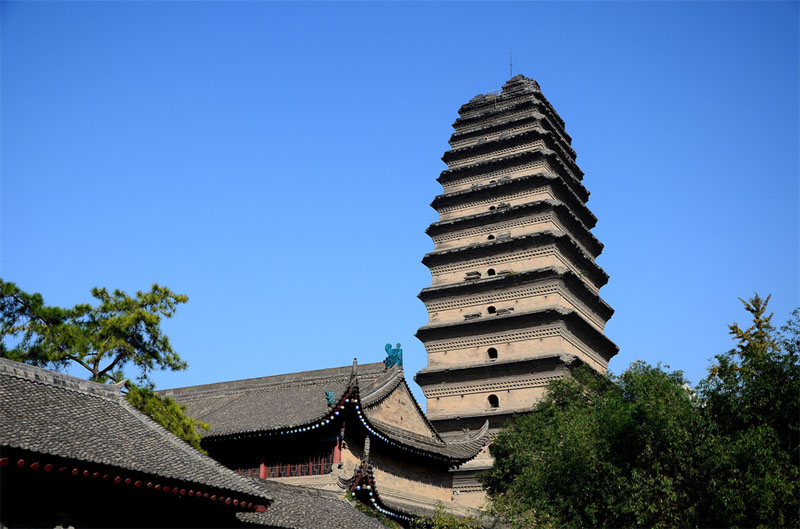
167,413
118,331
644,449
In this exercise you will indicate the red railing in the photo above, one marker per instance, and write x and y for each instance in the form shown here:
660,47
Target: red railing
315,465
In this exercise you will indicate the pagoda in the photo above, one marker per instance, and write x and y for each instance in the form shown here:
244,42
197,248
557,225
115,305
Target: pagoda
514,301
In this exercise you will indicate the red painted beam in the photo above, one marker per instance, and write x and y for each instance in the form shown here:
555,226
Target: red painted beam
49,467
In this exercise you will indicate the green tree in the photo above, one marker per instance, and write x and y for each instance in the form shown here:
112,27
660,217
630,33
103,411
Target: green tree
600,452
644,449
117,332
752,401
167,413
441,519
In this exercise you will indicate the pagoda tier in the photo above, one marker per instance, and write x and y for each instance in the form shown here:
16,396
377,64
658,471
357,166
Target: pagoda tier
522,292
515,254
505,192
538,160
514,300
513,221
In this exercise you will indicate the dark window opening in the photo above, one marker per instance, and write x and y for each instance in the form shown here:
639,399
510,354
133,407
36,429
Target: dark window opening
492,181
490,272
492,353
492,208
494,402
491,309
490,237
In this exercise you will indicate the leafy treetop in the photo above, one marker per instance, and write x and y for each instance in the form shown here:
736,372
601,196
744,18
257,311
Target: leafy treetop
103,339
644,449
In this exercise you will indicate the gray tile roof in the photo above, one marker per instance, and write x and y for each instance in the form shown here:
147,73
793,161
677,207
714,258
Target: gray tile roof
287,401
269,403
67,417
461,451
303,508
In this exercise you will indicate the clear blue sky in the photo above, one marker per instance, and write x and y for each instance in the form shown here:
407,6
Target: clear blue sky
276,161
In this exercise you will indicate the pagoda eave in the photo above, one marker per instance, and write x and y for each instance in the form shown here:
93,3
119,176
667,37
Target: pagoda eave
502,282
563,242
490,103
524,112
574,322
541,364
572,179
564,214
511,140
508,185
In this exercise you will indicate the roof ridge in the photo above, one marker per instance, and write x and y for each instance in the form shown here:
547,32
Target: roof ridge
380,389
55,379
278,381
271,388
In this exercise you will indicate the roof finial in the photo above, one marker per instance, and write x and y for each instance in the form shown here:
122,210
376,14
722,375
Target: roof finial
394,356
510,64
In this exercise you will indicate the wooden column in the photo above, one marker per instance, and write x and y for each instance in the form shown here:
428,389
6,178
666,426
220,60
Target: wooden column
337,450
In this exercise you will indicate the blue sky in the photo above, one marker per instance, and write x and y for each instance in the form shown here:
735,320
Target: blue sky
276,161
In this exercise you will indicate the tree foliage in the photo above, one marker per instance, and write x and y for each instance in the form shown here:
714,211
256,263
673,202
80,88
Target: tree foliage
167,413
644,449
752,403
441,519
119,331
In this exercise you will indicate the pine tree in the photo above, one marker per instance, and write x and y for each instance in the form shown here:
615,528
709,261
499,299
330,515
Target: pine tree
119,331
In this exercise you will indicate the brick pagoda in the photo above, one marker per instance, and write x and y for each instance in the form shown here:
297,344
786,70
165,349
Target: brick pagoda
514,301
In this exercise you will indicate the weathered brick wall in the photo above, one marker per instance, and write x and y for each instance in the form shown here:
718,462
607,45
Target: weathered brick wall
398,409
411,483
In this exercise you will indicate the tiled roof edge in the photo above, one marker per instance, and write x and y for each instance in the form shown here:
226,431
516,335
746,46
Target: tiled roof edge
59,380
384,387
188,450
272,380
